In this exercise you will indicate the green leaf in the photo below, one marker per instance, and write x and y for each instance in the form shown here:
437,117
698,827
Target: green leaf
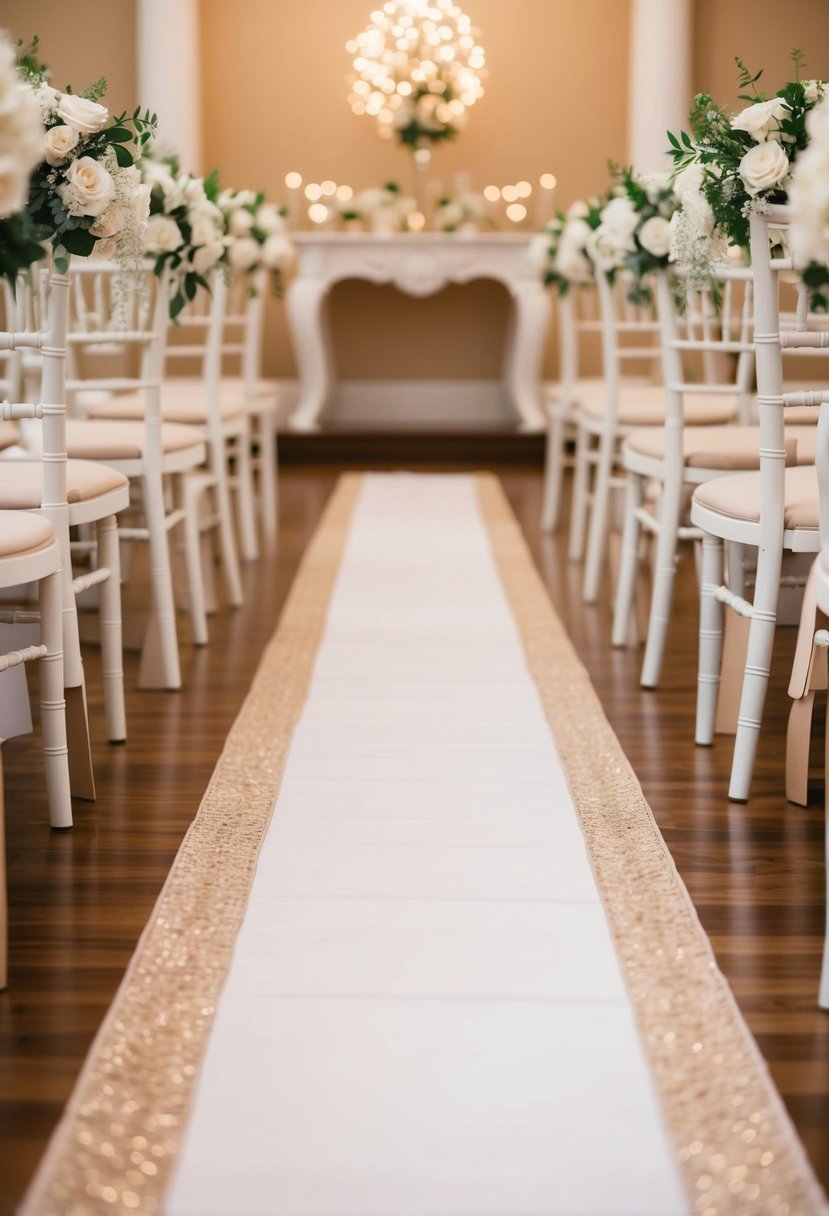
123,155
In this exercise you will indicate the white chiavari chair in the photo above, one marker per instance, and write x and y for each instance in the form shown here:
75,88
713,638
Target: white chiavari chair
775,512
116,343
69,493
630,336
578,320
707,353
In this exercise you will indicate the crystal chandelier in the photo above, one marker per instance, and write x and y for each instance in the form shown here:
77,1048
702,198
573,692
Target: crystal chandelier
417,70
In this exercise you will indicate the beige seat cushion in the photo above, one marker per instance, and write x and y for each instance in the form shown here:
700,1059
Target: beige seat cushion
723,447
103,439
739,497
234,387
9,434
21,482
182,401
21,532
644,405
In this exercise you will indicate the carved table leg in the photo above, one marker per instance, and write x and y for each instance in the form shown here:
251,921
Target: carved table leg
522,364
306,313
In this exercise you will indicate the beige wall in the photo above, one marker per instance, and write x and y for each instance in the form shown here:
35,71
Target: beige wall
274,99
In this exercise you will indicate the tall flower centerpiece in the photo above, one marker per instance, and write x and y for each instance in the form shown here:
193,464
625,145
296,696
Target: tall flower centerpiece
731,165
186,229
21,150
417,70
86,197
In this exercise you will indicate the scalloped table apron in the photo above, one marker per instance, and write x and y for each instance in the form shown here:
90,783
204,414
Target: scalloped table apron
467,980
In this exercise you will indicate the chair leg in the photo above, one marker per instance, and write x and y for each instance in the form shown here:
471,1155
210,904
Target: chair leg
112,653
670,507
629,561
268,473
53,706
245,499
798,746
757,671
4,903
823,995
227,539
710,640
553,469
599,510
579,504
160,664
190,491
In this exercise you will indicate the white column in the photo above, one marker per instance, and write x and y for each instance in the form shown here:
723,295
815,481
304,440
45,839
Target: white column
169,72
660,78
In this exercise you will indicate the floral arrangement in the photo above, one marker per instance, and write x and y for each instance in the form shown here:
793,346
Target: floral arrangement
256,234
634,229
730,165
186,229
86,196
21,151
417,69
566,239
809,197
385,207
464,210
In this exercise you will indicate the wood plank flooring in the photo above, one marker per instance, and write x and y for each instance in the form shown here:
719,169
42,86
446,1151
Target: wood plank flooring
78,900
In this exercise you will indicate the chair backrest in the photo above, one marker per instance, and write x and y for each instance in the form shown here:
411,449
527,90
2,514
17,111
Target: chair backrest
630,335
116,338
578,322
706,337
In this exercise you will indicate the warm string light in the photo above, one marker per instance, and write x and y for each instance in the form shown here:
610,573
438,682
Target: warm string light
417,69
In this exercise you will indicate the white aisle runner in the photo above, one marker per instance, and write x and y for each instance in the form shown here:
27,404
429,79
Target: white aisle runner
424,1014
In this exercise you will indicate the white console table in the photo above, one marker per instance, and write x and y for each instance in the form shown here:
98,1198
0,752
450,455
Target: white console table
419,264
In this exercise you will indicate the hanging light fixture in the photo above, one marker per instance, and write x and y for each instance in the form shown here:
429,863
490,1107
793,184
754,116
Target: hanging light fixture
417,70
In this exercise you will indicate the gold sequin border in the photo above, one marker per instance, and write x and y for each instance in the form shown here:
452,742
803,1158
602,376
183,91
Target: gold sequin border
738,1152
117,1142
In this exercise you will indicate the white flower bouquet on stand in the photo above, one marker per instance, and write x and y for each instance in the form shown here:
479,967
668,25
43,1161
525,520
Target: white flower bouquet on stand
732,165
565,241
256,234
86,197
186,229
464,211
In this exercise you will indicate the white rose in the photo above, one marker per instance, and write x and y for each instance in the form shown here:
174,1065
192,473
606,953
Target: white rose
204,230
205,258
655,236
241,222
194,191
268,218
656,184
538,253
59,143
14,186
244,253
758,119
812,90
84,115
572,264
620,218
764,166
163,234
88,189
576,232
277,252
578,209
109,222
244,198
608,250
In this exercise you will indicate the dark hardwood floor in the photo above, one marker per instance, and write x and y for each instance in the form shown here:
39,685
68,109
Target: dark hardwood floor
78,900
